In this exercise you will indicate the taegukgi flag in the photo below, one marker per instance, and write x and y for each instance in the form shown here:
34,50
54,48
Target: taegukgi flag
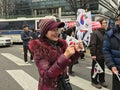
71,40
87,37
83,21
97,70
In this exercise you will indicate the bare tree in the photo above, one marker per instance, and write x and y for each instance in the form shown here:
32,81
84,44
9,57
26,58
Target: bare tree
1,7
22,8
73,5
6,8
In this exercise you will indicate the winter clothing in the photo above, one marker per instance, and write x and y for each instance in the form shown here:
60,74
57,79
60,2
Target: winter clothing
96,44
111,51
34,35
25,36
50,61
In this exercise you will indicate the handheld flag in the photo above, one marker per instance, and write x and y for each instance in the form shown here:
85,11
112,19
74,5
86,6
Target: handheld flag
87,37
97,69
83,21
71,40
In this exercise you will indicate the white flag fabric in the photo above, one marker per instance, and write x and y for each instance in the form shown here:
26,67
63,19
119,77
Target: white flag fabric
86,38
97,69
71,40
88,20
79,34
80,19
83,21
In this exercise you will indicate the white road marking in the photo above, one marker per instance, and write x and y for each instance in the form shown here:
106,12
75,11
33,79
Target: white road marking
83,84
107,71
23,79
15,59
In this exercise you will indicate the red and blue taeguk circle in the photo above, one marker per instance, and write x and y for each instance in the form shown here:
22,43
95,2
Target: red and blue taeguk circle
82,19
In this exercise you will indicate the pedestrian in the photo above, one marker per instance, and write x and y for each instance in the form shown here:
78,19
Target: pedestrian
63,33
51,54
25,36
34,34
71,32
96,43
111,52
80,36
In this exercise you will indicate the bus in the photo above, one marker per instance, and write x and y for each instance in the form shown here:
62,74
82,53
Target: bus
12,28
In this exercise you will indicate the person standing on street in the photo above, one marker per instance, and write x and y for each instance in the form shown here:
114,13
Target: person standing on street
111,52
96,44
71,32
34,34
52,55
25,36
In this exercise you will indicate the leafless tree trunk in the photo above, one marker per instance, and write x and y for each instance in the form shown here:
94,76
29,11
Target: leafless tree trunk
6,7
73,5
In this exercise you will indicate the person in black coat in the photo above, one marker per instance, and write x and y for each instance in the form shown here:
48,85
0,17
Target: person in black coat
96,43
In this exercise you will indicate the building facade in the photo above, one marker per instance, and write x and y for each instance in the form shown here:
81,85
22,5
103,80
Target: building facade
50,7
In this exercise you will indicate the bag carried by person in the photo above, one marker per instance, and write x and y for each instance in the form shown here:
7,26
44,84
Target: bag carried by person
63,83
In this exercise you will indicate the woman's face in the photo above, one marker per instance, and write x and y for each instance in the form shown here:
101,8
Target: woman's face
52,34
104,24
118,21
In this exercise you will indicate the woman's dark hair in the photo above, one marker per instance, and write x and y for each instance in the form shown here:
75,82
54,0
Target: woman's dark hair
101,20
69,31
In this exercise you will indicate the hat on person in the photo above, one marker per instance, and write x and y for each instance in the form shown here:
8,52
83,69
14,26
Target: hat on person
48,24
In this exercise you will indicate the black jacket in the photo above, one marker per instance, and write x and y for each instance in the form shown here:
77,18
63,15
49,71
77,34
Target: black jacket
96,43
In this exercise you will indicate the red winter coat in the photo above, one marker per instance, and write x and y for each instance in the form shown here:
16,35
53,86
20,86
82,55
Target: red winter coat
50,62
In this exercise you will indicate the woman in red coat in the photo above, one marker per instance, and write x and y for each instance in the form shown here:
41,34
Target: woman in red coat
51,54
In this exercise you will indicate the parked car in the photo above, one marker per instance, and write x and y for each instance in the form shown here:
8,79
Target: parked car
5,41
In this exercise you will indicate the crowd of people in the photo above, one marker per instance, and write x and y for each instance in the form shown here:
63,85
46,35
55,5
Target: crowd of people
53,55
